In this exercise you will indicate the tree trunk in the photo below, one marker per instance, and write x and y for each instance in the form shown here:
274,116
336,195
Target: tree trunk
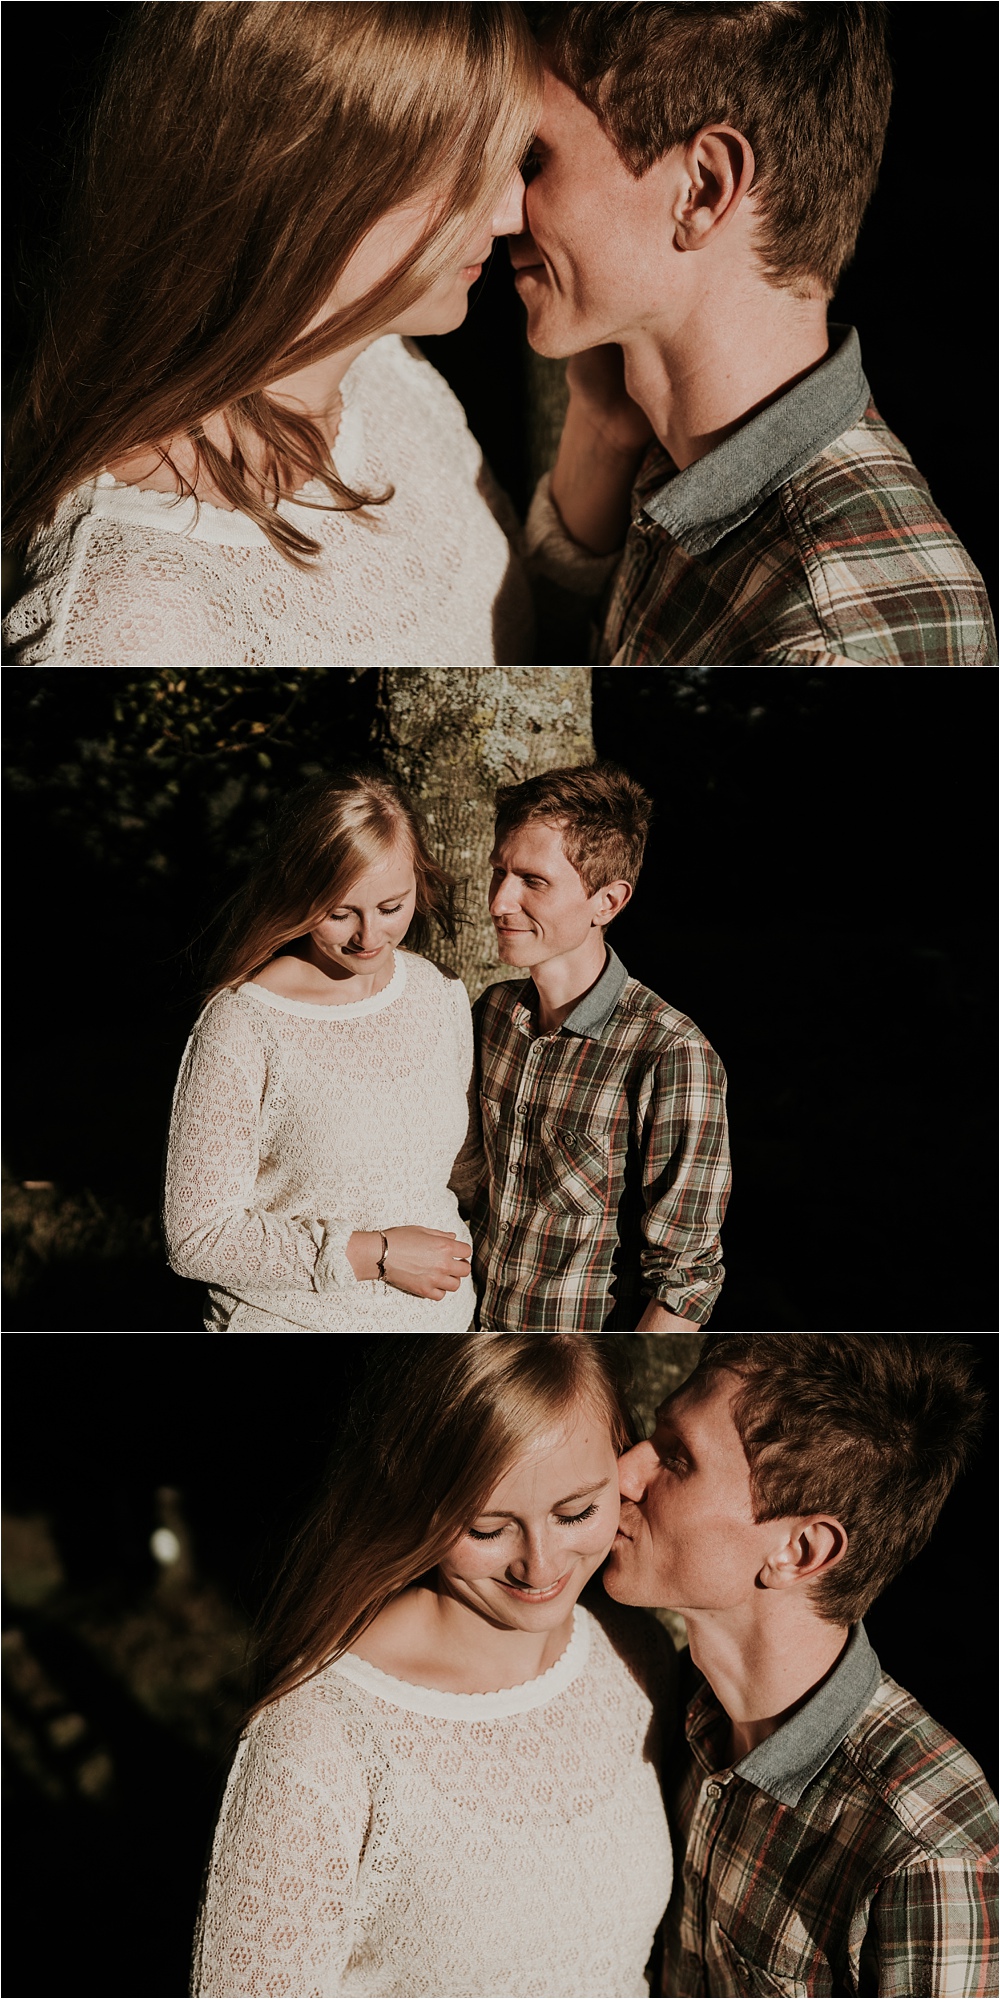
450,735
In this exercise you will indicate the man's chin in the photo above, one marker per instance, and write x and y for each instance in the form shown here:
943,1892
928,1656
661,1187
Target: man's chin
545,335
617,1583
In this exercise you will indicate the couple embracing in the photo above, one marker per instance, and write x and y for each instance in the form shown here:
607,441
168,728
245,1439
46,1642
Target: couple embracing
230,451
466,1773
340,1108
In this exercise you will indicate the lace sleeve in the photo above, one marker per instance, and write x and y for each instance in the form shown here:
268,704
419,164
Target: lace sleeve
214,1232
552,553
277,1916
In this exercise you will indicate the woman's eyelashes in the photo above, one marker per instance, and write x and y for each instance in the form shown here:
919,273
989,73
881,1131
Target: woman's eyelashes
564,1519
344,915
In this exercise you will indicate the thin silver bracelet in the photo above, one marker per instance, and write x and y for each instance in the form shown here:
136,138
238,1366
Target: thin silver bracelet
380,1266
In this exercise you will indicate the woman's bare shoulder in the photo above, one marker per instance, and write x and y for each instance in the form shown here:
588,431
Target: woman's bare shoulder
284,976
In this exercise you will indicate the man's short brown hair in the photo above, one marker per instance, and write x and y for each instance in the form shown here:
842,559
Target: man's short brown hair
602,813
807,84
872,1428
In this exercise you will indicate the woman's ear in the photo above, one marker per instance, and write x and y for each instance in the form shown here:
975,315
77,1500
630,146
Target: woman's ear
810,1547
719,167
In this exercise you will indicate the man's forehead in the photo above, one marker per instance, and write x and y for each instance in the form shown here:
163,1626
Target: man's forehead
710,1385
531,840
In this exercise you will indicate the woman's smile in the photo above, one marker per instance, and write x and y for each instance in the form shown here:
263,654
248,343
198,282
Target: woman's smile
526,1595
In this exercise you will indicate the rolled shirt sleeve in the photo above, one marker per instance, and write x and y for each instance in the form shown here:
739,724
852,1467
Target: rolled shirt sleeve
684,1140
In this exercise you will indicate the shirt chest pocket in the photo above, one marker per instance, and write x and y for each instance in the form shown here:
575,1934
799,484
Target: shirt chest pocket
574,1169
757,1981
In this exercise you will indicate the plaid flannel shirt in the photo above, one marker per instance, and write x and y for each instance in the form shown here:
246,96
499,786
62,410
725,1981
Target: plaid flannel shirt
853,1851
606,1157
807,538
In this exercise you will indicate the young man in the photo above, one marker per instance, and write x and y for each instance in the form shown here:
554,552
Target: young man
697,185
830,1837
603,1109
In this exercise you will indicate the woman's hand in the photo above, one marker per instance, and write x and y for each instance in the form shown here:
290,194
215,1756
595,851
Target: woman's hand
596,383
603,440
424,1262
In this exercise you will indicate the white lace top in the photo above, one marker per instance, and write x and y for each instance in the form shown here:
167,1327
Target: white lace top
293,1125
381,1838
131,578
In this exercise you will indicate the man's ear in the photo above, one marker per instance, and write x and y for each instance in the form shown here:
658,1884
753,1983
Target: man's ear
807,1551
609,900
719,167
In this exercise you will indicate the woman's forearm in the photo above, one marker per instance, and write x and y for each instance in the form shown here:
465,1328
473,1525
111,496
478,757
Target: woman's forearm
364,1253
591,483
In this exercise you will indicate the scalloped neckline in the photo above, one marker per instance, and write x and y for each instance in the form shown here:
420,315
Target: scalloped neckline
337,1009
442,1704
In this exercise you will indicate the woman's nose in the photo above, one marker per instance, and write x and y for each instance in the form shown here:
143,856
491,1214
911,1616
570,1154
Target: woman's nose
537,1562
508,216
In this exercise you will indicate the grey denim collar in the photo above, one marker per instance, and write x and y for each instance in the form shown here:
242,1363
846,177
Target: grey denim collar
789,1759
591,1014
720,491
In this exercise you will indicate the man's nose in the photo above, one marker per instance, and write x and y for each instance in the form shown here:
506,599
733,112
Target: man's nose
634,1469
503,896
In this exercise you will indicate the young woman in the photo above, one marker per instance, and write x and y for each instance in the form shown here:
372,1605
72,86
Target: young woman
320,1130
451,1784
228,453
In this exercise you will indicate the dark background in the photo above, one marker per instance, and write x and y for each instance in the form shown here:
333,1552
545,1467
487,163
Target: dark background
920,289
103,1869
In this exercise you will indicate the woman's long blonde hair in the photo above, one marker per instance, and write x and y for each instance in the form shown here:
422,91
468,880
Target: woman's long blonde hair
437,1422
321,839
239,153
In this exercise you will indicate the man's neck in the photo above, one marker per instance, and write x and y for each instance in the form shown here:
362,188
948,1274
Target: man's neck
761,1673
720,362
561,982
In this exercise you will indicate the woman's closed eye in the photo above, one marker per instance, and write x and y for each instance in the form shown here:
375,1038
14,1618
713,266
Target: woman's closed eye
565,1520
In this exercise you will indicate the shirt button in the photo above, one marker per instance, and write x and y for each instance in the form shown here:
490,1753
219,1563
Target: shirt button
713,1790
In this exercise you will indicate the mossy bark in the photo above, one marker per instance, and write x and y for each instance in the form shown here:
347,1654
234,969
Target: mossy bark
450,735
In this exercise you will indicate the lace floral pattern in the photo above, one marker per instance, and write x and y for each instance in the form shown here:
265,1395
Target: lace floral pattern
130,578
293,1126
490,1845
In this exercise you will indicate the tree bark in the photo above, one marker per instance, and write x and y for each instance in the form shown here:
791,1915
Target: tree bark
450,735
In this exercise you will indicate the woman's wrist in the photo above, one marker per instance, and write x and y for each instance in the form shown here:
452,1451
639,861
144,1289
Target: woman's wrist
364,1251
591,481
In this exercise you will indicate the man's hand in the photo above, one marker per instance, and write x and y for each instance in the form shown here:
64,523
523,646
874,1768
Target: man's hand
656,1319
